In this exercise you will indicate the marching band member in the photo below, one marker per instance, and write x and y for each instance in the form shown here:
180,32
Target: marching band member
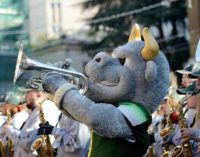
190,133
72,136
196,133
185,79
24,136
158,123
17,115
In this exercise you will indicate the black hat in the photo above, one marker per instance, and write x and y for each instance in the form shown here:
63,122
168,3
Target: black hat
187,69
195,71
195,74
188,90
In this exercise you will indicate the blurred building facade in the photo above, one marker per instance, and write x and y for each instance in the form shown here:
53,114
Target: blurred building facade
59,50
48,27
13,27
57,30
51,19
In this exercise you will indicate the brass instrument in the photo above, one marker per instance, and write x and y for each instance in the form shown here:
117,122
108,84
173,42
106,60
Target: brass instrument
175,152
25,63
42,144
170,150
150,151
184,149
178,151
172,104
2,149
166,131
9,145
166,153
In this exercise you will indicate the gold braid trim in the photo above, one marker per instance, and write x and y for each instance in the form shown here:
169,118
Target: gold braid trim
60,93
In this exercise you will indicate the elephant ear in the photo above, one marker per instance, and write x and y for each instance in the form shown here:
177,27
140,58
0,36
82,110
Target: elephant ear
150,71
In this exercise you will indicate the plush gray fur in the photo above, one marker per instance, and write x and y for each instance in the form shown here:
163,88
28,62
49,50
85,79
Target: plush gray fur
111,81
141,81
104,119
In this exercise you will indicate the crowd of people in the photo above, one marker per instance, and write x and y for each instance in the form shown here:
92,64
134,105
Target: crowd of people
32,125
175,127
52,118
21,124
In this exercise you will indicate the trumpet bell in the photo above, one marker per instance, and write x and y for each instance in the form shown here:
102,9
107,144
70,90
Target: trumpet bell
25,63
18,69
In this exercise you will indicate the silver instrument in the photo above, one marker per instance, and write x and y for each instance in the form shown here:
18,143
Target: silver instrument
25,63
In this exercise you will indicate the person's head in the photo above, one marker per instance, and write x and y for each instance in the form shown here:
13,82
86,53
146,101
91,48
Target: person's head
190,90
16,109
186,80
163,108
11,102
29,83
33,97
4,108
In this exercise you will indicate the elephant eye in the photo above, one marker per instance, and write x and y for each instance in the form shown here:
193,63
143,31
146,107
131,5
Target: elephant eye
122,60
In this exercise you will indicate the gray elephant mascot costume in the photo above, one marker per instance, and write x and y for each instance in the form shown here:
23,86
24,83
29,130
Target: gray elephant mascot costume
123,88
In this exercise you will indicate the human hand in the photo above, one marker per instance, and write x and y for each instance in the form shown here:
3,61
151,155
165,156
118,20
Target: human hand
186,134
63,64
45,129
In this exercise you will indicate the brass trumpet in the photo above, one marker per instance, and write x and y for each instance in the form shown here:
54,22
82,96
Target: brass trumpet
25,63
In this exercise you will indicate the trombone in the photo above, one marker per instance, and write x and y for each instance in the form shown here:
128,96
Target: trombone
25,63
